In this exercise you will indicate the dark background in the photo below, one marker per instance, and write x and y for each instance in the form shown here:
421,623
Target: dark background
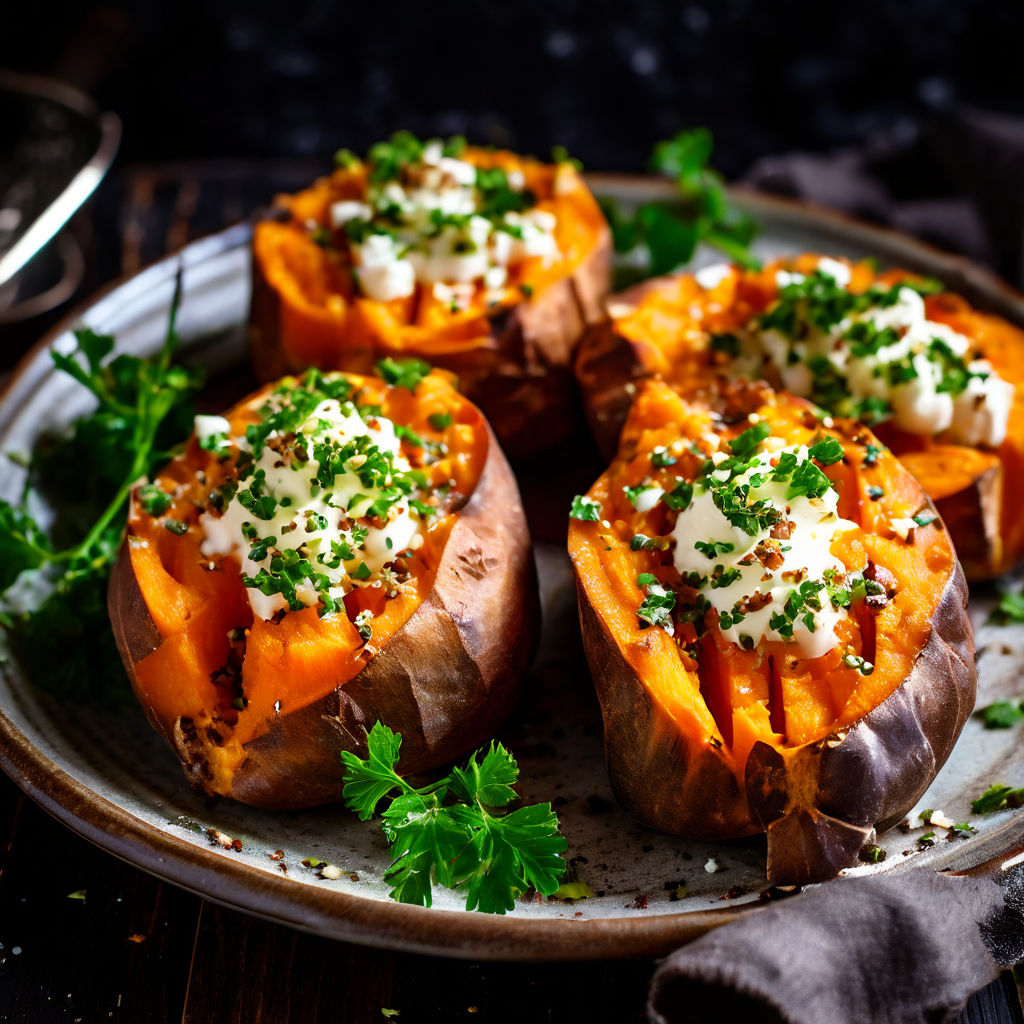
194,79
908,113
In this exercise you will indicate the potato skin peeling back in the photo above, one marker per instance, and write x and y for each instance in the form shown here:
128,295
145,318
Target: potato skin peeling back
449,658
667,326
728,742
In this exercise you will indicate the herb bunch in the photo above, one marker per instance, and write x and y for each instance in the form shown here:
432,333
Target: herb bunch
662,236
456,832
143,406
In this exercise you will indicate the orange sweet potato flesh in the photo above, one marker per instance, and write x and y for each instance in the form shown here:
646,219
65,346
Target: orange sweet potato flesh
661,328
444,665
735,742
512,357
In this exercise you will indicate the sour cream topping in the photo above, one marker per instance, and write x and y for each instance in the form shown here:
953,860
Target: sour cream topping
750,579
439,223
318,511
876,361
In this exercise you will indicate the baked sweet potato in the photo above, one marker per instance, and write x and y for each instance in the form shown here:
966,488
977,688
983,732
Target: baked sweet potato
508,338
970,461
259,663
829,718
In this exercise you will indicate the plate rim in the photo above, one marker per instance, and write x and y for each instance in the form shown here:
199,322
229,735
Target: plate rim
385,924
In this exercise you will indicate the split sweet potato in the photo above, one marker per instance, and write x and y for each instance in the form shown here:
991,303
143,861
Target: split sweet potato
260,709
664,328
714,740
511,352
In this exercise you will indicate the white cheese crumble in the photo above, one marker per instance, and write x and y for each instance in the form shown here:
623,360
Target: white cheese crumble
713,275
206,427
434,225
755,575
886,361
330,528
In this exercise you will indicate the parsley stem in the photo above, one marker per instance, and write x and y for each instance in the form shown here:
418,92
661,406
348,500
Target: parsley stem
737,252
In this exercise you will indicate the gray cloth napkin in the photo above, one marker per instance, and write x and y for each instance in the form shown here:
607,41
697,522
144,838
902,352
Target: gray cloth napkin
955,181
908,949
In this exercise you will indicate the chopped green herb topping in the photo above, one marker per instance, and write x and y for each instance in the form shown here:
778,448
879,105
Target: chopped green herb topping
995,798
865,668
403,373
656,609
585,508
826,452
750,440
154,500
871,454
713,548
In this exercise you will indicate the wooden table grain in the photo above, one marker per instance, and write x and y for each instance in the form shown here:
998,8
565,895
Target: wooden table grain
85,937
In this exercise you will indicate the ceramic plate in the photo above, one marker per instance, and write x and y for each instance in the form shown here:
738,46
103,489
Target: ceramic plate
108,776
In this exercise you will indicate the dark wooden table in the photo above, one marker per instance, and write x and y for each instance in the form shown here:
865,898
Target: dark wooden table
85,937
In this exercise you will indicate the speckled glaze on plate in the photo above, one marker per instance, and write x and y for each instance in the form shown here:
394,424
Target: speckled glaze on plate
107,775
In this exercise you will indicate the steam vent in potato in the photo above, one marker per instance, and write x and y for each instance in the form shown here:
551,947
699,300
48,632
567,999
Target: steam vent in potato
775,621
482,262
939,382
335,550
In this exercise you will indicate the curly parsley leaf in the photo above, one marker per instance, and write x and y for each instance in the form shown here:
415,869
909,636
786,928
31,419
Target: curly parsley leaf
23,545
664,236
455,832
86,473
368,781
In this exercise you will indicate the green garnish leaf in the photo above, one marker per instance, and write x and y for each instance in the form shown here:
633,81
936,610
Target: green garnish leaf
679,497
665,235
656,608
143,408
826,452
403,373
1003,714
871,454
585,508
154,500
713,548
1010,608
872,854
749,441
456,832
995,798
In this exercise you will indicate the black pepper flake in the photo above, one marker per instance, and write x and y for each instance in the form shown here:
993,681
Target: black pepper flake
598,805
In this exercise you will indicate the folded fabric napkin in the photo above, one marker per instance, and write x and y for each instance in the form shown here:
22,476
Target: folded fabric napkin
954,181
896,949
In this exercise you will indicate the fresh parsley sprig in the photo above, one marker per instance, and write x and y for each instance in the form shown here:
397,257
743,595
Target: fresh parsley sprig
1003,714
663,236
1009,609
86,475
456,832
